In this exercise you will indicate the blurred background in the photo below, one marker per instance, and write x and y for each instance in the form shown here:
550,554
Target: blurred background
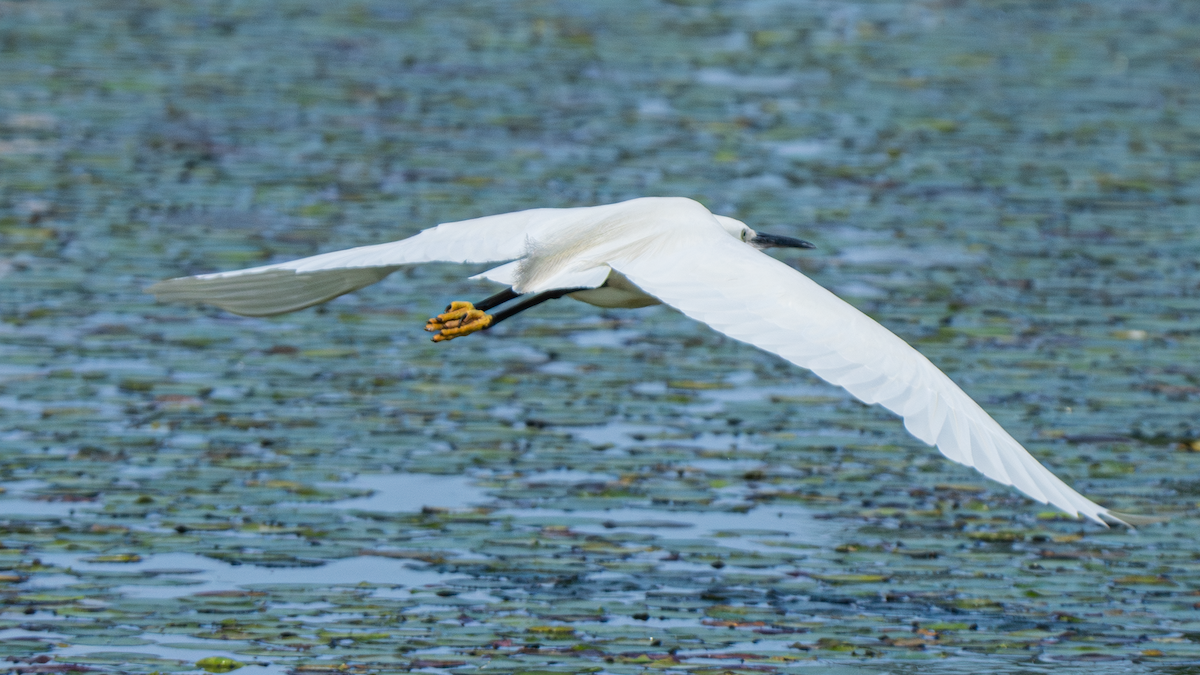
1010,186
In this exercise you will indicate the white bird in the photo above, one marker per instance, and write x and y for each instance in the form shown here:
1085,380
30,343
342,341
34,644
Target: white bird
674,251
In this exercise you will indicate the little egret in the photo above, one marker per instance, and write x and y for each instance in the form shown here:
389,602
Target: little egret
674,251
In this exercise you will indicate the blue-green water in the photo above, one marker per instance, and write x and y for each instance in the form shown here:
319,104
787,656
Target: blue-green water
1011,186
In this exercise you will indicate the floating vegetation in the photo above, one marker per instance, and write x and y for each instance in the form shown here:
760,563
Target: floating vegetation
1012,188
218,664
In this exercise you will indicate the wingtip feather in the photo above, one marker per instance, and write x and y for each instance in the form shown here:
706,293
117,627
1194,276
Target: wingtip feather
1133,521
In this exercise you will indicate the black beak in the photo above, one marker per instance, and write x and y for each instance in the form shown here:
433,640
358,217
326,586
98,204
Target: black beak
776,241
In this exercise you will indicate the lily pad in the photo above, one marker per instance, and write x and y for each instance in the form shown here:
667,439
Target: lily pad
218,664
839,579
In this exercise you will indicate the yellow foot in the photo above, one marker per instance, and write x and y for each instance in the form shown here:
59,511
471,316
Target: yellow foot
461,318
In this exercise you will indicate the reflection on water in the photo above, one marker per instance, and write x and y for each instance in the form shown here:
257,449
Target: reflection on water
400,492
171,648
16,501
623,435
793,522
36,507
201,574
569,476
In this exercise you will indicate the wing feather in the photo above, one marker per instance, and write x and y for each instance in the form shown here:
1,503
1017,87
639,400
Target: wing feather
269,292
290,286
754,298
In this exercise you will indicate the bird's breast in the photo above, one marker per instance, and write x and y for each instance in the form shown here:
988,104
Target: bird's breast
617,292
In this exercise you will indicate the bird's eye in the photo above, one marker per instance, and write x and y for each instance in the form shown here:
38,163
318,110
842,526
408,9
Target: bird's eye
745,235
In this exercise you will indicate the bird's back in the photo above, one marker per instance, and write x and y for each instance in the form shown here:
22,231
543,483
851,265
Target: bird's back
626,230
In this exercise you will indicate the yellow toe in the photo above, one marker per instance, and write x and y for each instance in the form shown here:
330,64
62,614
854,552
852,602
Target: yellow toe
459,319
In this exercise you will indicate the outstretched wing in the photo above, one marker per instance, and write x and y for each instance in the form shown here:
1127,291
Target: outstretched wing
754,298
290,286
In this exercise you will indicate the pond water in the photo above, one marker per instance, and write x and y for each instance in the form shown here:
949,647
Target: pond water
1012,187
400,492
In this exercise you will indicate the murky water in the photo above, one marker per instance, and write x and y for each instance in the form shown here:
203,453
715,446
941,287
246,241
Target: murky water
1011,187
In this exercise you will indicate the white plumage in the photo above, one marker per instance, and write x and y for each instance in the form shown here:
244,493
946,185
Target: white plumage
673,250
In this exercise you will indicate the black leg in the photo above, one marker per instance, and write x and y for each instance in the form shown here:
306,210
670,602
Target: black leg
531,302
497,299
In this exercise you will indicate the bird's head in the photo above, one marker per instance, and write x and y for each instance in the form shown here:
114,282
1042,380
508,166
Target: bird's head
759,240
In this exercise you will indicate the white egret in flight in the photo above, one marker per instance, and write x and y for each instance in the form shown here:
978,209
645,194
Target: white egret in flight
674,251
